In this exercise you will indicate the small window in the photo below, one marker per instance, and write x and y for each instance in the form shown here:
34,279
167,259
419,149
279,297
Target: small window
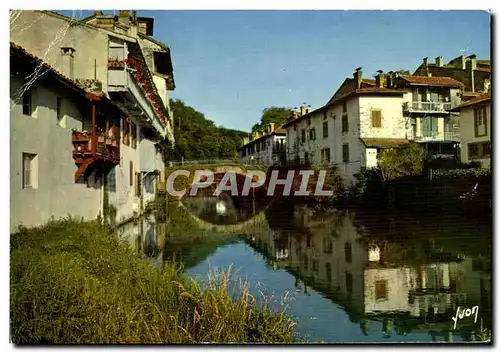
138,187
325,129
345,152
348,282
315,266
473,150
480,128
345,124
325,115
327,244
309,122
344,108
486,149
303,135
348,252
376,118
29,171
325,155
133,135
27,102
295,127
380,290
126,132
131,173
312,134
328,270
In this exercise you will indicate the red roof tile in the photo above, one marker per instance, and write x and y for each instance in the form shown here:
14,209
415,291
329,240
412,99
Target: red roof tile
483,98
432,81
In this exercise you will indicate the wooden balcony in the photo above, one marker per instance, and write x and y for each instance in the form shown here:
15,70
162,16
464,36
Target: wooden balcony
103,153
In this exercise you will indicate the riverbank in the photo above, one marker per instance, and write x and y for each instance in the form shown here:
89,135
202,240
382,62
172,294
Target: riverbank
72,282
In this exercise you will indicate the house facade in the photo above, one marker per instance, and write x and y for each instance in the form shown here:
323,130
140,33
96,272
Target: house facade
115,57
426,104
363,117
475,130
44,148
266,147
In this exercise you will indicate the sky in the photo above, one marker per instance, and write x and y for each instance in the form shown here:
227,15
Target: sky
230,65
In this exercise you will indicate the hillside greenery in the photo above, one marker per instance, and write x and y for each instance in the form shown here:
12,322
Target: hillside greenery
198,138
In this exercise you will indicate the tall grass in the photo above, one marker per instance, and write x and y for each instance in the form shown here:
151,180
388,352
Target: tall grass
72,282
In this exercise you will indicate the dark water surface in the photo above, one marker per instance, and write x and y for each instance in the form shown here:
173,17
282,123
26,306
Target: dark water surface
365,277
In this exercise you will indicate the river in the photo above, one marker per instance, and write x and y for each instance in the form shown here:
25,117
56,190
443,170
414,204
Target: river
349,277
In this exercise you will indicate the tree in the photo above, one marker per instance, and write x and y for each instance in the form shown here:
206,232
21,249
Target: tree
394,163
276,115
197,138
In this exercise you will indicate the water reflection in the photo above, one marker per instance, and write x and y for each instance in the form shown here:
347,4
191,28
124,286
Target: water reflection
147,237
375,276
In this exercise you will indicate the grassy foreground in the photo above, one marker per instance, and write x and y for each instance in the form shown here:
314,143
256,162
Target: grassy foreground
72,282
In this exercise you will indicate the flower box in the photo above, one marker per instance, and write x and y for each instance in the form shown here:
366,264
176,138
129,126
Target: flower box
100,138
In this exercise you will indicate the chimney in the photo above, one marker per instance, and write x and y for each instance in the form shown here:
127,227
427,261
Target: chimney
124,17
471,65
271,127
425,60
439,61
358,77
389,79
303,109
97,13
379,79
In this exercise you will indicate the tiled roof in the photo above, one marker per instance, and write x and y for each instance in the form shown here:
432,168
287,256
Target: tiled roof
432,81
483,98
384,142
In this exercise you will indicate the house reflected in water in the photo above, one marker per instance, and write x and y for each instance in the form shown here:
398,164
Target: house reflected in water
373,278
147,238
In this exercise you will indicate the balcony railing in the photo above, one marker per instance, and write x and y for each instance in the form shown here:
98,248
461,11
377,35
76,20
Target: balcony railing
427,107
431,136
105,147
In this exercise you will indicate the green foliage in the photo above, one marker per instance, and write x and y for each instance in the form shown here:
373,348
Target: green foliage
276,115
197,138
399,162
71,282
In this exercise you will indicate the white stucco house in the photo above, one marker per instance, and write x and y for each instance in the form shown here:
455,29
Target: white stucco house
112,56
475,130
51,131
265,148
362,117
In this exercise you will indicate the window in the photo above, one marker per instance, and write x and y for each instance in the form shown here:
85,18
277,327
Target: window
345,124
306,157
315,266
303,135
348,282
344,108
381,290
345,152
29,171
59,112
312,134
480,128
295,127
27,102
68,55
325,115
376,118
325,155
348,252
479,150
325,129
328,270
327,244
306,262
131,173
309,122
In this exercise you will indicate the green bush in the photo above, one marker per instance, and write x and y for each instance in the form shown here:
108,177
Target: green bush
72,282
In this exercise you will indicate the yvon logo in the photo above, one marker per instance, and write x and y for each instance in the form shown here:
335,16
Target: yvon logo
465,313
